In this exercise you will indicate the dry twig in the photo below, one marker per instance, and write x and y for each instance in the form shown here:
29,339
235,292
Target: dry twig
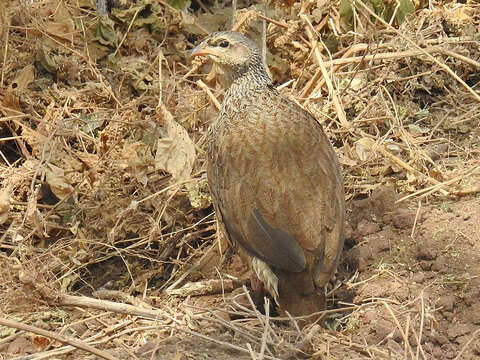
61,338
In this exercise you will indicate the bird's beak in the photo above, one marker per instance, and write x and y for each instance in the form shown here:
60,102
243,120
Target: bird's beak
201,50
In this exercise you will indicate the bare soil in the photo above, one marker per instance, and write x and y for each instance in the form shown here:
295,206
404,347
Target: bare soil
424,264
414,273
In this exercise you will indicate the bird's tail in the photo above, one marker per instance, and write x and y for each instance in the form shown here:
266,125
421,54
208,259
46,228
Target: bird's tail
299,296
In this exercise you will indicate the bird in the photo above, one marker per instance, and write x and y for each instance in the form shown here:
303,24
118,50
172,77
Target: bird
275,180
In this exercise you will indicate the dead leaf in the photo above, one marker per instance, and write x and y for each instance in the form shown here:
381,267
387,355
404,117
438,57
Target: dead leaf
41,342
345,160
17,88
211,22
6,331
436,174
393,148
4,205
64,25
3,22
180,4
63,30
197,198
133,68
87,4
176,152
21,345
34,216
23,79
416,130
405,8
47,59
59,185
105,32
470,185
137,158
459,14
364,149
4,19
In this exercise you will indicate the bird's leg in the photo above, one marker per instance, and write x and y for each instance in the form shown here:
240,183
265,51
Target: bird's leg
258,290
255,283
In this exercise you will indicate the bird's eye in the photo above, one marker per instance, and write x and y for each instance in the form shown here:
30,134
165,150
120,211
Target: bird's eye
224,44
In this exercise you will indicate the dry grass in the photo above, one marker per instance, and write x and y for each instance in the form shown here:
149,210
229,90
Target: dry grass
103,189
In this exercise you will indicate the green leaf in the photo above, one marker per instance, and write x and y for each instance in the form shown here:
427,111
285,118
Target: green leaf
126,15
346,11
105,33
406,7
91,123
47,60
180,4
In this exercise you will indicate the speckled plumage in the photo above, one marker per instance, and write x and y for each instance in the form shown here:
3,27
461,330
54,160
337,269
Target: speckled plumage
275,181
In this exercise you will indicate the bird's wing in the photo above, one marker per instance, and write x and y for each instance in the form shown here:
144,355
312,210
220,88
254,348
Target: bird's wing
277,186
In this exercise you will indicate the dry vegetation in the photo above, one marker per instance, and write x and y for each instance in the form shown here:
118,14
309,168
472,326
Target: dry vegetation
105,215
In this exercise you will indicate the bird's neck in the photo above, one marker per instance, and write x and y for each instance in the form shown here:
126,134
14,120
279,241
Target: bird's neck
245,81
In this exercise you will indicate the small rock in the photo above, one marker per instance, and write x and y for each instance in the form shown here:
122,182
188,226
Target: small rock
412,339
437,353
364,257
458,330
79,329
428,347
426,252
440,265
440,339
418,278
382,244
42,324
470,298
476,347
383,329
365,228
373,246
446,302
404,218
394,347
475,313
448,315
437,151
475,283
21,345
467,217
462,339
369,316
397,335
349,236
148,347
224,315
425,265
447,216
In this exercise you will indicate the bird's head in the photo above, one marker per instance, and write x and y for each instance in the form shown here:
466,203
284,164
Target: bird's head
231,50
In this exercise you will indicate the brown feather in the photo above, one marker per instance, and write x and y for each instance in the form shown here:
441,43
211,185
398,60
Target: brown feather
276,183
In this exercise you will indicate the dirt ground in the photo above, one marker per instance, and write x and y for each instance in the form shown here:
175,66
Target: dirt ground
425,264
108,241
413,273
